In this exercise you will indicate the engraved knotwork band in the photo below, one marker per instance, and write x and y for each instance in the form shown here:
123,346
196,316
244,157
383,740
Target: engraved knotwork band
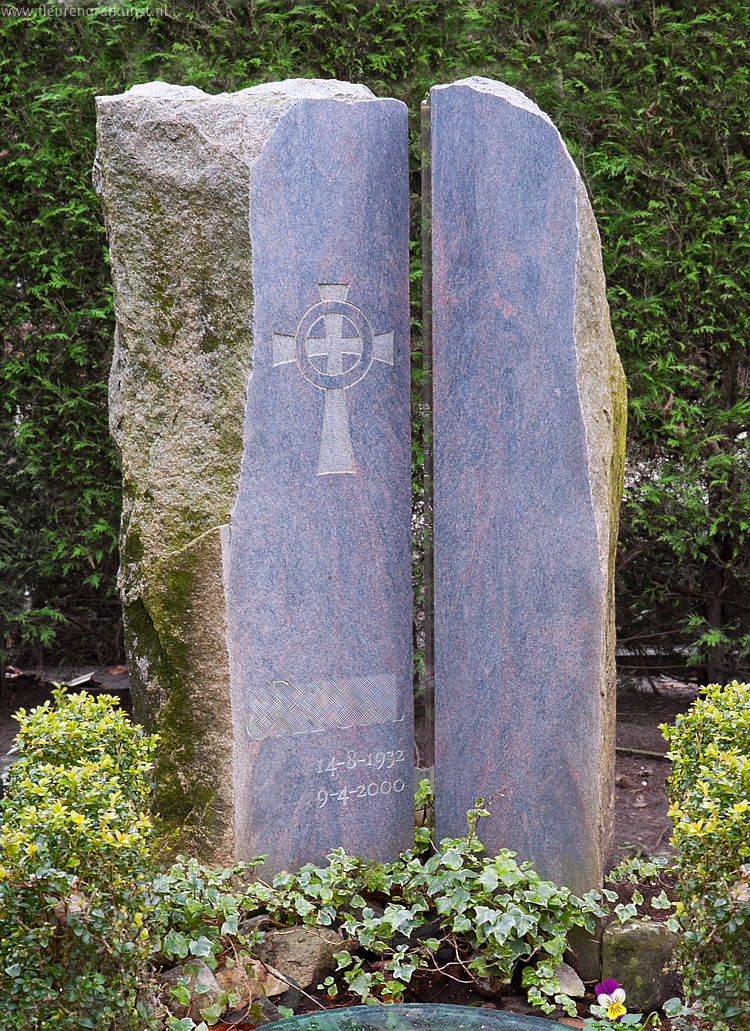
335,314
292,706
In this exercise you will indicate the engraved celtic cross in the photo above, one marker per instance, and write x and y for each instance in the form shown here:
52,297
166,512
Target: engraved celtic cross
342,332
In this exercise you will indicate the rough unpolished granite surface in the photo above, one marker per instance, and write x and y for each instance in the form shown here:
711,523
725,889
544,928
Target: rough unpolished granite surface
172,171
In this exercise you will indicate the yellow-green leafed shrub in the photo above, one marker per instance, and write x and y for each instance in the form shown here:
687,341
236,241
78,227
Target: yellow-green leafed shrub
710,805
75,852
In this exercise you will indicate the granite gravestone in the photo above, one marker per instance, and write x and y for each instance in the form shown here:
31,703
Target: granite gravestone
260,401
529,415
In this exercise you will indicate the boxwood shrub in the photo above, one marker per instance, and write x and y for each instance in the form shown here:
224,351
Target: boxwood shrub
710,805
74,853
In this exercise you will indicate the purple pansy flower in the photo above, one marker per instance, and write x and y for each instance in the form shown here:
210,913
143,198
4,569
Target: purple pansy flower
607,986
611,997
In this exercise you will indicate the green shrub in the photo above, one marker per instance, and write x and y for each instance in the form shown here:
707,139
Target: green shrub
86,918
494,917
74,853
710,806
497,918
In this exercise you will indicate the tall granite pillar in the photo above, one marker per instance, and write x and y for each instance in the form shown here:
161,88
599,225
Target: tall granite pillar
260,401
529,417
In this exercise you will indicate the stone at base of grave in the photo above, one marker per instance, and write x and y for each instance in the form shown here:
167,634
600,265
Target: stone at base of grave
249,979
302,954
260,402
204,989
640,956
528,422
569,981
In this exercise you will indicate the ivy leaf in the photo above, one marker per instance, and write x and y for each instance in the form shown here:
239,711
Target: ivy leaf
200,947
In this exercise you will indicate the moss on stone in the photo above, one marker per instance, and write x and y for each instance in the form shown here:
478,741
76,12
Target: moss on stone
619,395
131,546
640,955
181,262
176,697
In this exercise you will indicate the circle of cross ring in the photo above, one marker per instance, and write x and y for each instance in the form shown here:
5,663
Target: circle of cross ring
339,380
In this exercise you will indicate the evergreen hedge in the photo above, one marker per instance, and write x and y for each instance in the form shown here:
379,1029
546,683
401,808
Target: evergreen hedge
651,98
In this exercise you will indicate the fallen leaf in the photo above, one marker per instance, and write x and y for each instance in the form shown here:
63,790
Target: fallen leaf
741,890
251,979
72,905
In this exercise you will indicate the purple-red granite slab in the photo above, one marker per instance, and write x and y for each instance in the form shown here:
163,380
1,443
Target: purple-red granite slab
319,555
520,594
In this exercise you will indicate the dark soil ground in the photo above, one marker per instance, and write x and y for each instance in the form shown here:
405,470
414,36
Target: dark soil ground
642,825
641,822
